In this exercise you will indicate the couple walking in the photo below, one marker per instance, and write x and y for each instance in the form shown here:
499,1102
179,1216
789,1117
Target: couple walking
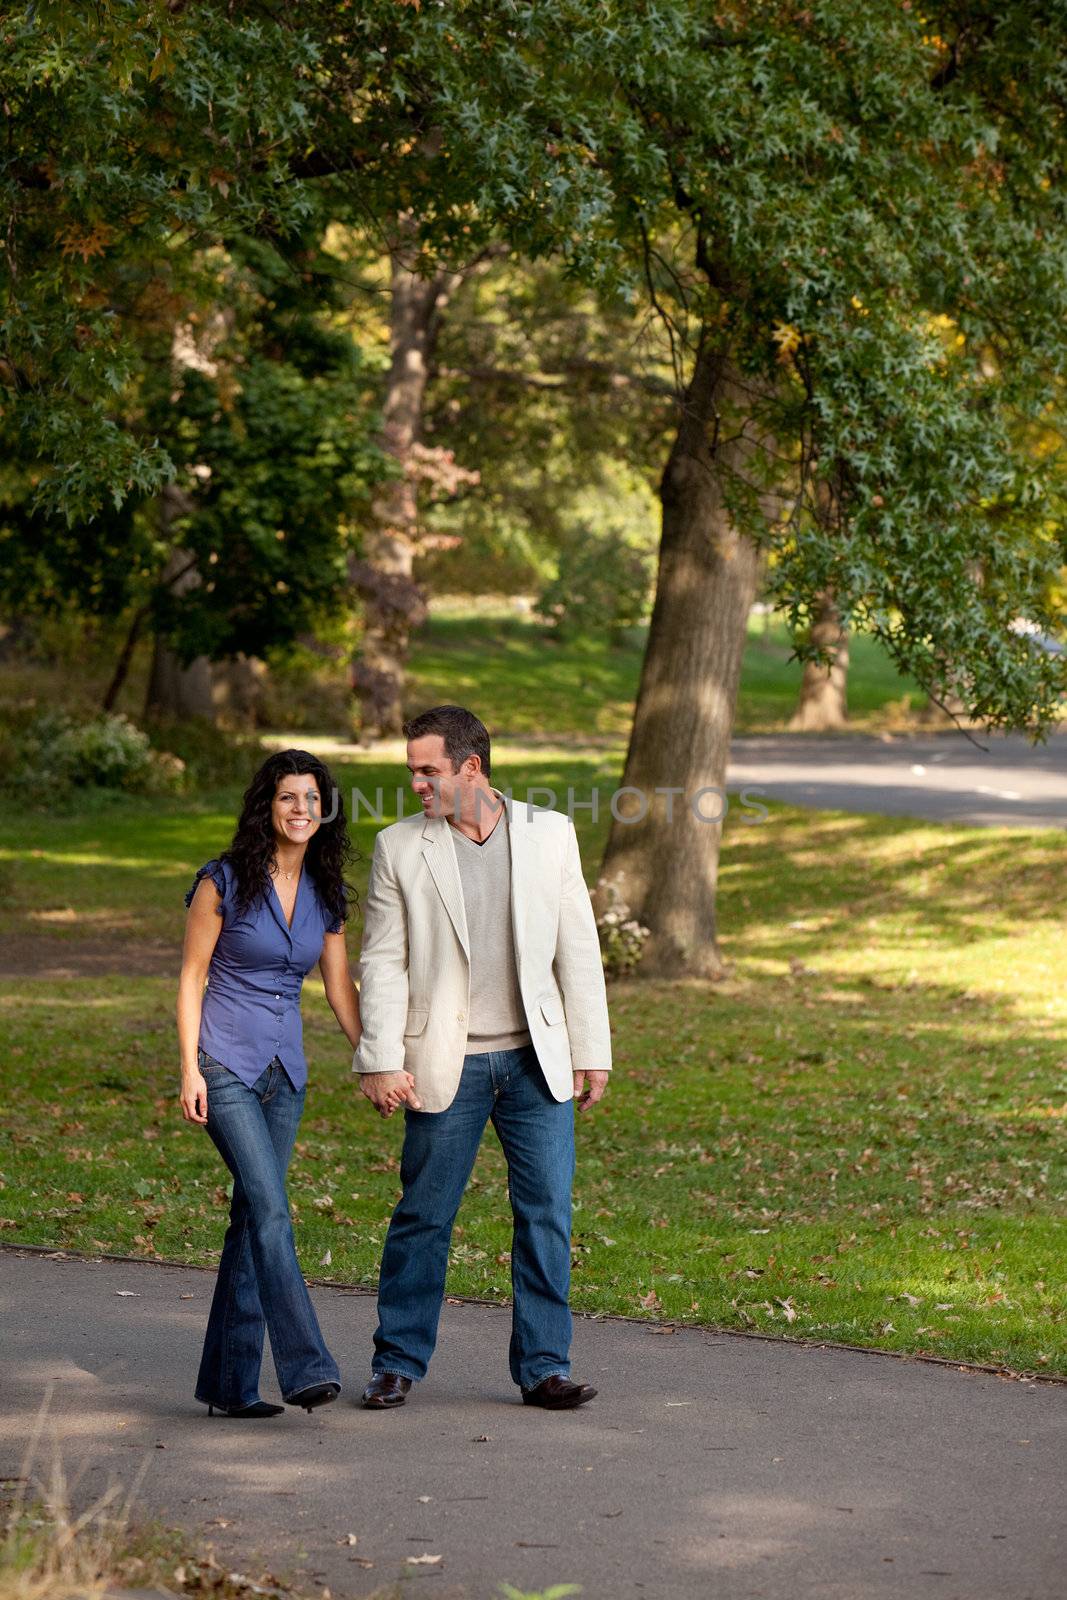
482,999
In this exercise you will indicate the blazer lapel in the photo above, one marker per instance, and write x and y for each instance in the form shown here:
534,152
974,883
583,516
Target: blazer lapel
440,856
523,860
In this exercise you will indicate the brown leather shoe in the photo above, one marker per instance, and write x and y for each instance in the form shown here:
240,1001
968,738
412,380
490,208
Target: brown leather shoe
385,1389
558,1394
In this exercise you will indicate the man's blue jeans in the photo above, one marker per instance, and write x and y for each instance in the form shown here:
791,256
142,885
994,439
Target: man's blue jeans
536,1131
259,1281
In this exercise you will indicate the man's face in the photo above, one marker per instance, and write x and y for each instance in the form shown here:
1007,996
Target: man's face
432,777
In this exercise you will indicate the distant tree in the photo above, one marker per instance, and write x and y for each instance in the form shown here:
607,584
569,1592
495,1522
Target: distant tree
564,403
268,417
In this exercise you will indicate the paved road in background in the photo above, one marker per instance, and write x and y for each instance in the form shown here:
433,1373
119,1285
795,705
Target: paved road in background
943,777
712,1467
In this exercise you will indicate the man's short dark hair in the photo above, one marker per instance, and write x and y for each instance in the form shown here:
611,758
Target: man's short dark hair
463,733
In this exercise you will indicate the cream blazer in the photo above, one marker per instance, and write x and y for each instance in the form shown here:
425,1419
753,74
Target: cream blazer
415,984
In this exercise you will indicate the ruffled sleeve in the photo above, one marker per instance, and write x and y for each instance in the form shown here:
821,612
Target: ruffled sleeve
214,871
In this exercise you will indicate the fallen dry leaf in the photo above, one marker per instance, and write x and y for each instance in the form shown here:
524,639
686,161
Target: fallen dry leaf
423,1561
128,1294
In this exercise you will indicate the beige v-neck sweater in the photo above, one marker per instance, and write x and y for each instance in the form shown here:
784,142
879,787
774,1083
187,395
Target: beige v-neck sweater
496,1019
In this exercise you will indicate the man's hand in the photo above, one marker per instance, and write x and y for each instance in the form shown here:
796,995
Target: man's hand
387,1090
589,1088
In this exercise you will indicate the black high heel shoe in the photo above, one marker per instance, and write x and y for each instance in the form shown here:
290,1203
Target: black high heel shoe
319,1394
258,1408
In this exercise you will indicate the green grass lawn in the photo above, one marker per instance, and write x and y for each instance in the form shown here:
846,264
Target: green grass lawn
523,679
858,1136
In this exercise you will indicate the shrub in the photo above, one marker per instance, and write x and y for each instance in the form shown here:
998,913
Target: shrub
53,753
212,757
622,937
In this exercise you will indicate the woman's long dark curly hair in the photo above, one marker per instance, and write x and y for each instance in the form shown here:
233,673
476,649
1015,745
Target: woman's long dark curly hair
329,850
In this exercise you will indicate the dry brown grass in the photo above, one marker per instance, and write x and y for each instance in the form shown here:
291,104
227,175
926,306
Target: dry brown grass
50,1552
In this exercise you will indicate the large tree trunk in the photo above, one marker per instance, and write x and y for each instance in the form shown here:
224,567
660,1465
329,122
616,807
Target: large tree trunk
665,866
392,602
823,706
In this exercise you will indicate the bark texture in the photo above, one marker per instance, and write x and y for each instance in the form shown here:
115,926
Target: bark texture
666,865
823,703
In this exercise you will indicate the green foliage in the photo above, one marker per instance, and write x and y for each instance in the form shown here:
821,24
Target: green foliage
857,211
562,405
54,754
622,936
859,216
601,588
268,414
135,132
274,461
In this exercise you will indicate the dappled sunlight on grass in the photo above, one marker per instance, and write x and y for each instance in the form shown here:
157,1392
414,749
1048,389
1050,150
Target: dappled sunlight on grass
869,1106
1025,1113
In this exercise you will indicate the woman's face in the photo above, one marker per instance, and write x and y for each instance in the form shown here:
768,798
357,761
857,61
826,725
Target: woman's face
296,811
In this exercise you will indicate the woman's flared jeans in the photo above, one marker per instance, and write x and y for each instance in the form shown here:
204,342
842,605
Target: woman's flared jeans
260,1283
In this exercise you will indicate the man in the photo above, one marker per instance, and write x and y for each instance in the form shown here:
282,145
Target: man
482,999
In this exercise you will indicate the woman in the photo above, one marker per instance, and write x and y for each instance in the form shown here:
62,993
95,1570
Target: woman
260,916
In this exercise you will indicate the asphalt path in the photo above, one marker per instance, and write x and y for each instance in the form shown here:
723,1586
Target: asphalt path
1001,780
711,1465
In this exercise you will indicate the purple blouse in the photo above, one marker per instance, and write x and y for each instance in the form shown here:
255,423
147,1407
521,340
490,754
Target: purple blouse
251,1010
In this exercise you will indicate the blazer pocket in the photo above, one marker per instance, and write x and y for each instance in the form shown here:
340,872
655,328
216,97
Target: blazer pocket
552,1009
416,1021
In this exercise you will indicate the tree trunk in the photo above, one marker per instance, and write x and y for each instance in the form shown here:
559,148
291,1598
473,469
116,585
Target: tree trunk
238,685
665,866
176,691
122,665
823,706
392,602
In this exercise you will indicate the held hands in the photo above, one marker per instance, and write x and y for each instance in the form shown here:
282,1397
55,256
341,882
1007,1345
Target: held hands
589,1088
193,1097
387,1090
